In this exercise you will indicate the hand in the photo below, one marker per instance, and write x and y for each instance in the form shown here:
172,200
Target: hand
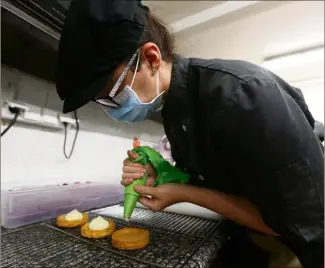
161,196
133,171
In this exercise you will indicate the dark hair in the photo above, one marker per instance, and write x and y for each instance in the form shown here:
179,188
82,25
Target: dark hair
157,31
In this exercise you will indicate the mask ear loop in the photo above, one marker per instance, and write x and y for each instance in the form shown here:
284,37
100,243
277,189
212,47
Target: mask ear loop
157,84
136,69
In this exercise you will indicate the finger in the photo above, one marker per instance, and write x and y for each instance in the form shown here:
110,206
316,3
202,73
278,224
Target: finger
145,190
127,181
132,155
150,170
150,203
128,169
127,162
147,202
132,175
150,182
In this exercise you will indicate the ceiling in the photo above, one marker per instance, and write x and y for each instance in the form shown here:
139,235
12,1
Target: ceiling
180,15
172,11
169,10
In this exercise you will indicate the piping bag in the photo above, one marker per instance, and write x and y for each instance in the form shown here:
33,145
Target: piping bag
166,173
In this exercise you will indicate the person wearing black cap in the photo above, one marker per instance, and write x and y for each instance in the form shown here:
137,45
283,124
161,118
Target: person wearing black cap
244,135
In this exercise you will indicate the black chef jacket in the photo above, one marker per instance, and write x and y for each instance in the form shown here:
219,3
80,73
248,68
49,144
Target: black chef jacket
238,128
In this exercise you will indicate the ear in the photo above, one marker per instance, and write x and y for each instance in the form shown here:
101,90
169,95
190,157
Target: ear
150,55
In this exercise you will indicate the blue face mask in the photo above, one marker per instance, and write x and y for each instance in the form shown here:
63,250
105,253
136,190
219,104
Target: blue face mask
132,109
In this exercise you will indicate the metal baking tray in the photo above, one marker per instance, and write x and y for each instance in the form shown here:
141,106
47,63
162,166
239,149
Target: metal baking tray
175,241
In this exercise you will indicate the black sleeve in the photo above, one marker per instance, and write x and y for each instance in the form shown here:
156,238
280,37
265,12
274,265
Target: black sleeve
272,151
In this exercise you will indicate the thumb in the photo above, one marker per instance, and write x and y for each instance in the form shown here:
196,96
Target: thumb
132,155
145,190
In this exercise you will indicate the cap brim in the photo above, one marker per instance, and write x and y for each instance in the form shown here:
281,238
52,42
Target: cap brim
84,94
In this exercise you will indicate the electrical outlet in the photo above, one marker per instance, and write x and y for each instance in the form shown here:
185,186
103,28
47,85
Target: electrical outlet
20,106
34,116
68,120
31,115
50,117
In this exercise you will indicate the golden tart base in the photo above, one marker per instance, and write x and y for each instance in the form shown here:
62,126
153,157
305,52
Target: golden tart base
130,239
62,222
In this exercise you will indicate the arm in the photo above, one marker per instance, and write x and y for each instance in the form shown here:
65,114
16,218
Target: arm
234,208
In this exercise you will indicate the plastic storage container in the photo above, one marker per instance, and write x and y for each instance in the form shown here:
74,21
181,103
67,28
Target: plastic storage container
26,206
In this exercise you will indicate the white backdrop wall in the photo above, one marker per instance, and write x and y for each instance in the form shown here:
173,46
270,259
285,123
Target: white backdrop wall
34,156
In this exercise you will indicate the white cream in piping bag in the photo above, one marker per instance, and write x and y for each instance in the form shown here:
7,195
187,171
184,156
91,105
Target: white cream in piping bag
98,224
73,215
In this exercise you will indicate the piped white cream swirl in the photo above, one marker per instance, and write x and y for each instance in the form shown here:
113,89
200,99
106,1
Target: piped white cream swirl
98,224
73,215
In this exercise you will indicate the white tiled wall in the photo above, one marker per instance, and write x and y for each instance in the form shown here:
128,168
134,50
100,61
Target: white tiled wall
34,156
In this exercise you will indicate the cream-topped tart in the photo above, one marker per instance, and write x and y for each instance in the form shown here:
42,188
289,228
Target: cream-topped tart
98,228
72,219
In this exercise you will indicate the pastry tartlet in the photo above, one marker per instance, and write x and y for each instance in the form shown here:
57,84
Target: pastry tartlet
130,239
98,228
72,219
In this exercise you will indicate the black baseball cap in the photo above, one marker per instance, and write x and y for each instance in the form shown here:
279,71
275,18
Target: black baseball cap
98,35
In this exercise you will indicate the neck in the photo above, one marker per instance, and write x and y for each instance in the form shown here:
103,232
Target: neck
165,76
